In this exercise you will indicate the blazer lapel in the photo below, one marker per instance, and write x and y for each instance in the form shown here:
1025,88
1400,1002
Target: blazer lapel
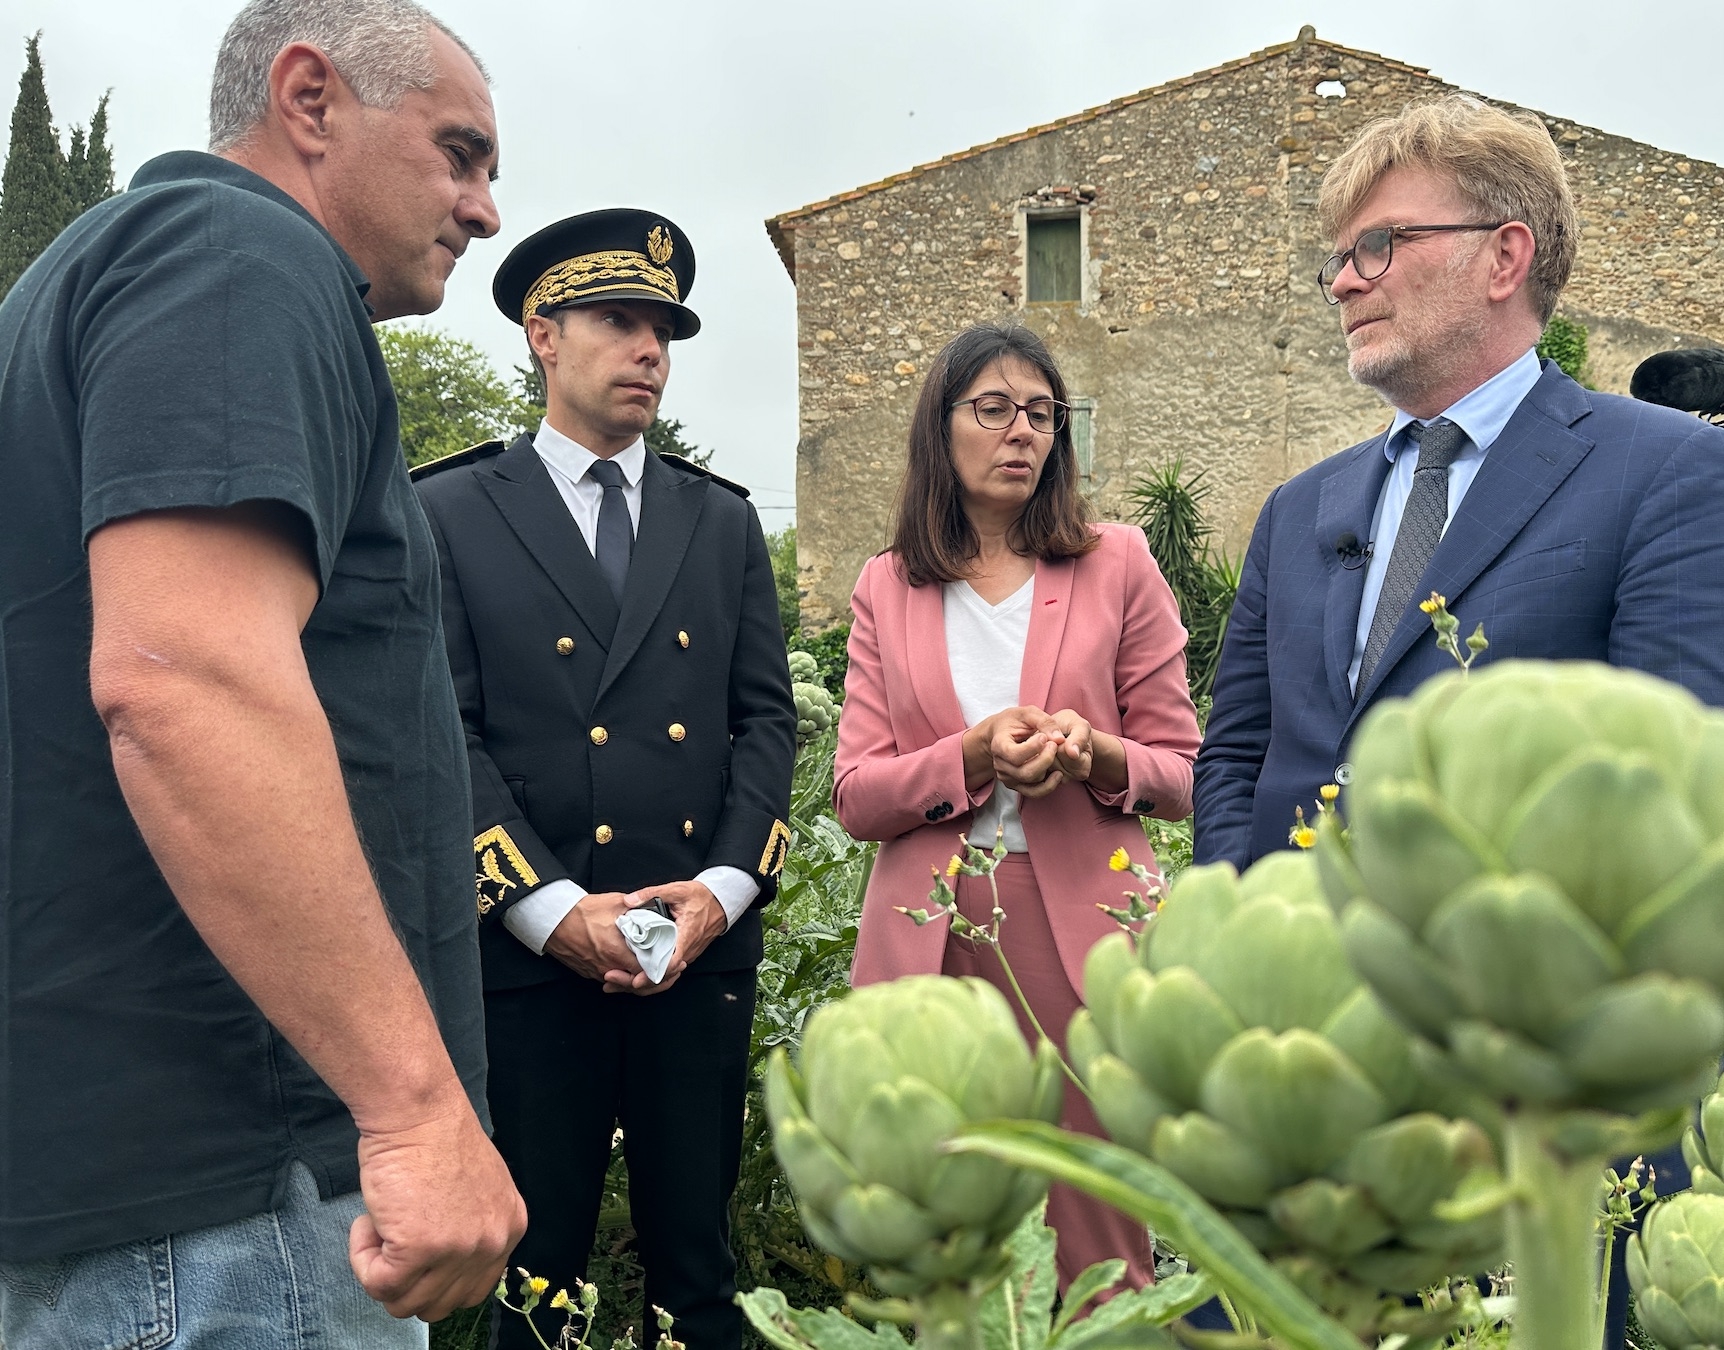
930,668
1347,505
1537,450
1050,604
670,508
529,501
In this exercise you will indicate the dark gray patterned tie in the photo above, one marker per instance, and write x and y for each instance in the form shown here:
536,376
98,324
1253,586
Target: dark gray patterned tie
614,539
1422,521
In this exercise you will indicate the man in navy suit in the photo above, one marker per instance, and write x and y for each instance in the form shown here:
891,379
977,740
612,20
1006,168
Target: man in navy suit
1571,524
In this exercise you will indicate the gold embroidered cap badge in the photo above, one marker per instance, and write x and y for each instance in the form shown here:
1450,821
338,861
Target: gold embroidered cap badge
659,245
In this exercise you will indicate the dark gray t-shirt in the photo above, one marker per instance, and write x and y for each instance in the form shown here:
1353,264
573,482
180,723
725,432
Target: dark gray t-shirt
198,341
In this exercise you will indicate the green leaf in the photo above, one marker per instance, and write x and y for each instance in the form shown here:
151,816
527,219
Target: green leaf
1138,1187
1096,1279
1018,1312
787,1328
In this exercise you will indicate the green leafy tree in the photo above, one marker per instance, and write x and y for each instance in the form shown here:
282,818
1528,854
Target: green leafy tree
782,546
449,393
36,197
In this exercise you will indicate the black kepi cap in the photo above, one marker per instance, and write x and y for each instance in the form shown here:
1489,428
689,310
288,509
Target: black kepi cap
615,254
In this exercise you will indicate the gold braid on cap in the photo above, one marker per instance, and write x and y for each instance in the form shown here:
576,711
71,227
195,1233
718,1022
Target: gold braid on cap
582,276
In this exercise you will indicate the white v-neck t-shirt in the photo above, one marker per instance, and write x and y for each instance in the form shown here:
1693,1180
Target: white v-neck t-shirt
985,649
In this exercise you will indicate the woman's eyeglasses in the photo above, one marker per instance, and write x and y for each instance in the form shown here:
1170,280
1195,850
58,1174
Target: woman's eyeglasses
995,412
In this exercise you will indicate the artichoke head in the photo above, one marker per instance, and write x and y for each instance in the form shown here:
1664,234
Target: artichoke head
885,1077
1533,879
1703,1146
1236,1047
814,710
1676,1269
804,669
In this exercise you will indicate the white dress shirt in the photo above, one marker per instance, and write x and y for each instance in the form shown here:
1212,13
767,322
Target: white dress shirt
1482,414
985,650
535,917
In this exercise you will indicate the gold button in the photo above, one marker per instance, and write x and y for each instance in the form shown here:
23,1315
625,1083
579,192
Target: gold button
598,735
565,645
677,731
681,638
687,828
603,834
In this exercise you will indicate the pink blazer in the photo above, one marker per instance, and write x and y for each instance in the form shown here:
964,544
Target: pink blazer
1105,640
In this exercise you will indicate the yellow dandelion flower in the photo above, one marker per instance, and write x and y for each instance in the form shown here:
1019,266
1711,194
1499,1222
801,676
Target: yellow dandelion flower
560,1299
1329,791
1432,605
955,866
1304,836
537,1284
1120,861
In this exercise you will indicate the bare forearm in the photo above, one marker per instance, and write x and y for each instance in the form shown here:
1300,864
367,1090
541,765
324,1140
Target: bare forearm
238,792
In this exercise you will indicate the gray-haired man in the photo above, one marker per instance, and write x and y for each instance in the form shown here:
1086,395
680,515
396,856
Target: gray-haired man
242,1043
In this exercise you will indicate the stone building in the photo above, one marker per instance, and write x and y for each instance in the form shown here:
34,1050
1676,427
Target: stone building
1165,244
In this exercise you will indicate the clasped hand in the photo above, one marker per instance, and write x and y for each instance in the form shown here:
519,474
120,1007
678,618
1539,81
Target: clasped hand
1033,752
589,943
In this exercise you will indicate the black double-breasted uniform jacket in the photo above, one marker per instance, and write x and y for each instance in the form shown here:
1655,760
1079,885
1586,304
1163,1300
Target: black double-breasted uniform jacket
620,745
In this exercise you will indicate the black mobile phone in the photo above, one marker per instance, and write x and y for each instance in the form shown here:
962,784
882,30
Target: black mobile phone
658,907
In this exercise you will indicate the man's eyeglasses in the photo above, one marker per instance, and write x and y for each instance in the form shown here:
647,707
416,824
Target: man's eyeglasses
1374,250
995,412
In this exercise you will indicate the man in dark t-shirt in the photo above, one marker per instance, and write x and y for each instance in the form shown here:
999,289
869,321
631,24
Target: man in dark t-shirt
238,966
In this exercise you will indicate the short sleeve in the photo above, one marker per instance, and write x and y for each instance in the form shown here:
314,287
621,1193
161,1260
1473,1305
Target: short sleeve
213,376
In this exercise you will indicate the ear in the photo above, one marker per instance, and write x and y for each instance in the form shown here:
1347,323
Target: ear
1511,255
542,336
304,90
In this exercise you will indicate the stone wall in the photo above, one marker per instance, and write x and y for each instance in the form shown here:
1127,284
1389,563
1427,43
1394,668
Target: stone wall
1202,333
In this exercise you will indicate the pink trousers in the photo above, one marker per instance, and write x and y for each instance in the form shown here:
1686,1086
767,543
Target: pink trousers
1089,1231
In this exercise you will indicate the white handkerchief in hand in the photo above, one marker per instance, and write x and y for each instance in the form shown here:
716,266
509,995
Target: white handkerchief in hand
651,937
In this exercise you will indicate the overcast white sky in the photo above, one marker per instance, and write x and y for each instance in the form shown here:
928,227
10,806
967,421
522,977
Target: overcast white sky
720,113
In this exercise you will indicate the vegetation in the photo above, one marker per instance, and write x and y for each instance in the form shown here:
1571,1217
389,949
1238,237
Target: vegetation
1564,341
45,188
451,397
1168,504
449,394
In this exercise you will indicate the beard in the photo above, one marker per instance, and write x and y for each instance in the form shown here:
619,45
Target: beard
1422,346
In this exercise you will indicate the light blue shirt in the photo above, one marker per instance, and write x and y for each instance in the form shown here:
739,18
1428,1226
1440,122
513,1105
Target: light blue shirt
1482,414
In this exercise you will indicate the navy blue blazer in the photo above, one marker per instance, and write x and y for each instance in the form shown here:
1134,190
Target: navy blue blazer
1594,530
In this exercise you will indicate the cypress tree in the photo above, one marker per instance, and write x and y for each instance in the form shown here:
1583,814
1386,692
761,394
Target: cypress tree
90,164
35,196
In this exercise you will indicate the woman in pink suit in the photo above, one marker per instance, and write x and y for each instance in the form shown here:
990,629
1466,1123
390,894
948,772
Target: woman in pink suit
1016,672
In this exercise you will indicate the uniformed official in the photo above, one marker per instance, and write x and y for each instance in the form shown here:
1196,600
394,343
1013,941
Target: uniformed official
614,637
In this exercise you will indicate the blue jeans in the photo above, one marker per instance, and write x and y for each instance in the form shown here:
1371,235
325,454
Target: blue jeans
276,1281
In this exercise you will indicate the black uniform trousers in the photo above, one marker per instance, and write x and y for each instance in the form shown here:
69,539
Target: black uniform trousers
569,1063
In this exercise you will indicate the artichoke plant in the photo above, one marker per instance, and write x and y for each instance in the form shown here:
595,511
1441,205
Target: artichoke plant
1533,880
1676,1261
815,711
886,1076
1676,1268
804,669
1235,1047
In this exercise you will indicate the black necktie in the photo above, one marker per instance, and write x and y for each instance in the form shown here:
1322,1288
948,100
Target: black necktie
1422,522
614,540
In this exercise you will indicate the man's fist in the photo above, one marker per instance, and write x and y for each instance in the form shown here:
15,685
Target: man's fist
441,1215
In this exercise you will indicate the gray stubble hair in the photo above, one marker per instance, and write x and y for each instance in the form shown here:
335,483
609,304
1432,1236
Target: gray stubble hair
381,48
